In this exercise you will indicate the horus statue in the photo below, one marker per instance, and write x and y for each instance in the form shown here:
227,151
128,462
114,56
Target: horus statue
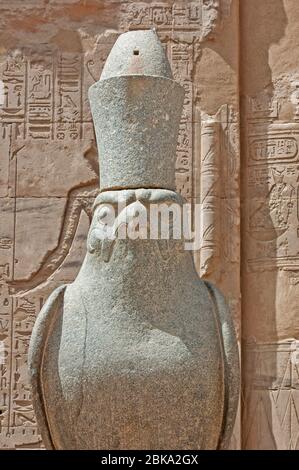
138,352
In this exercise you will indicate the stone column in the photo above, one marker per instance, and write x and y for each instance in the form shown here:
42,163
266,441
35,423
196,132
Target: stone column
210,225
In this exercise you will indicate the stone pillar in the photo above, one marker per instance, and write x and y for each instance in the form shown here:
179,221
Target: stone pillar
210,181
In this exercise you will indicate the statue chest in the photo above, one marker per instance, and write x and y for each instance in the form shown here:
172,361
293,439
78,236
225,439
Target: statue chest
124,380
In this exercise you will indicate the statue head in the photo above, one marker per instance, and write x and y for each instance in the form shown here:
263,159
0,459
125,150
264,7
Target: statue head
136,107
141,216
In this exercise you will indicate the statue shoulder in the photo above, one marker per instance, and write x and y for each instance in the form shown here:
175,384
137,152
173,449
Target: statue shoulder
231,363
41,331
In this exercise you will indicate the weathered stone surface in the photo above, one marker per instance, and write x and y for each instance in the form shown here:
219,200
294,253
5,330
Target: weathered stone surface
132,55
146,161
37,168
127,119
137,352
44,42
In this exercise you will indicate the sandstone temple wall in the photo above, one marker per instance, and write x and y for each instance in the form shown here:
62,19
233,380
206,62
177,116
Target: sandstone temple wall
237,158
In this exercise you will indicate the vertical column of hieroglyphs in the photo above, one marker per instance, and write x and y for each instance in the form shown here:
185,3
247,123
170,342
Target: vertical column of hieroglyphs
201,39
270,224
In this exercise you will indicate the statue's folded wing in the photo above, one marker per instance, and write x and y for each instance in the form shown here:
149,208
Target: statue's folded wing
231,365
41,332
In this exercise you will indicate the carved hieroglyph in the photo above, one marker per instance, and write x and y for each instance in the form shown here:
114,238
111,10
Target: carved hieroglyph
46,124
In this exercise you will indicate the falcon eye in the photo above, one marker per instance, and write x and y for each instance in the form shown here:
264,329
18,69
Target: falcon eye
103,213
136,52
106,214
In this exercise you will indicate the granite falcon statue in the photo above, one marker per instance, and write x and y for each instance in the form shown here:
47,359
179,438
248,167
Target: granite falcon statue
138,352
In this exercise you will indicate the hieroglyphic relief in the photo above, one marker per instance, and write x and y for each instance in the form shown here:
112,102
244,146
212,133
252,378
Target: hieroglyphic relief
42,96
183,58
18,424
40,99
194,18
272,402
45,117
13,110
272,247
69,93
272,192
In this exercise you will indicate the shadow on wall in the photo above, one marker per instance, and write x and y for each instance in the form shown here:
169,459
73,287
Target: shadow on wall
263,24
